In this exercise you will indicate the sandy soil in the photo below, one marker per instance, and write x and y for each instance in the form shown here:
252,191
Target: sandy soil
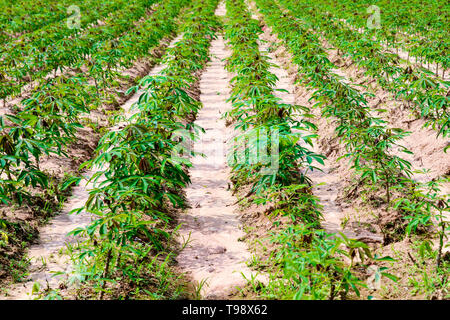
214,253
46,256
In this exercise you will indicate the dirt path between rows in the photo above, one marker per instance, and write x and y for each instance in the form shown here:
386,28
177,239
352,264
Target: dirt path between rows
45,257
215,253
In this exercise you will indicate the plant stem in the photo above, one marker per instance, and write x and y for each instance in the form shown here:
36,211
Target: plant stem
441,243
105,273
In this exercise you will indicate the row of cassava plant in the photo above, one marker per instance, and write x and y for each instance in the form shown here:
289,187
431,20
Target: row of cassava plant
368,140
50,117
424,93
417,27
24,17
90,15
34,60
256,110
138,174
308,263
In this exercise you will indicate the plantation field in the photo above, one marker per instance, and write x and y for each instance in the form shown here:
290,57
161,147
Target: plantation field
224,149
